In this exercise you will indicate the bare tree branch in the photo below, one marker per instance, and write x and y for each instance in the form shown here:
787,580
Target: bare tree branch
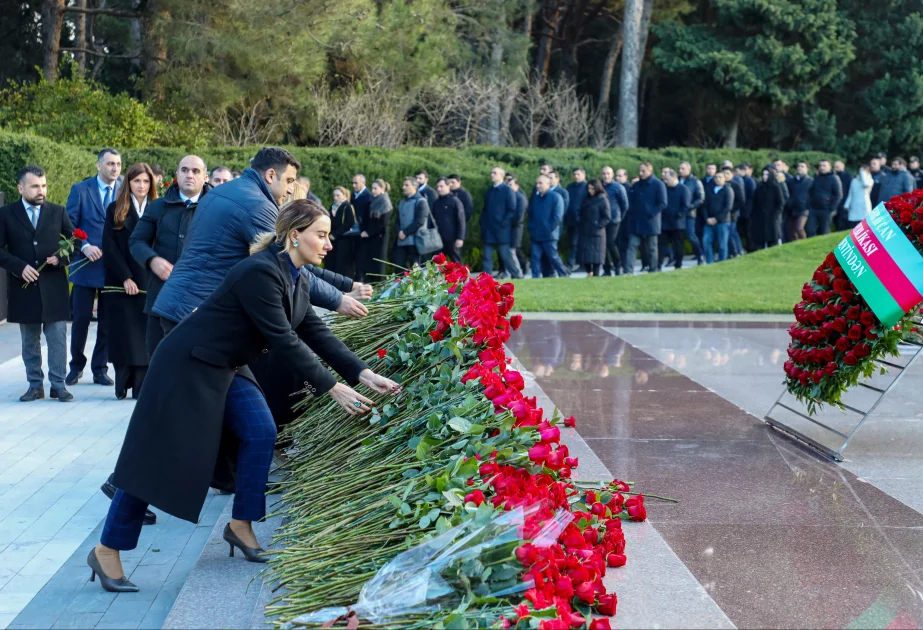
125,13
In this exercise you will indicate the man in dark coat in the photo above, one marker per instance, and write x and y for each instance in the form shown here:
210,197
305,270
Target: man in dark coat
522,206
826,194
455,184
648,201
576,193
624,235
449,214
745,171
697,198
618,207
736,184
361,200
497,220
86,208
799,201
546,214
30,233
157,241
673,220
424,189
841,221
878,175
897,182
913,167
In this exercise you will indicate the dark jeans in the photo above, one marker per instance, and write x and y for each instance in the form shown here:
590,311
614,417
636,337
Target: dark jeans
56,338
624,236
405,256
735,247
549,250
510,264
693,238
818,223
247,415
673,239
648,246
719,232
613,256
82,299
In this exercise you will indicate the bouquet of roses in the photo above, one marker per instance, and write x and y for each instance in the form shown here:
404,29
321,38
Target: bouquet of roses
65,249
859,304
164,186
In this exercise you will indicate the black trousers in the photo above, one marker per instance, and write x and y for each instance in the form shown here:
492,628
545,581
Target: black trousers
405,256
129,377
613,252
82,299
451,252
672,239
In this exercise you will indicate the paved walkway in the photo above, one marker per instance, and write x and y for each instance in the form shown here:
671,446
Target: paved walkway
53,458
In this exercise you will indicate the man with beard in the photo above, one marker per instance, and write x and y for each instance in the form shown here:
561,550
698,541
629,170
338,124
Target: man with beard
30,231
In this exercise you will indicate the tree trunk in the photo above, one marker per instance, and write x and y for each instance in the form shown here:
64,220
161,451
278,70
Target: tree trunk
645,27
551,23
605,88
497,88
80,37
153,49
52,21
731,141
631,73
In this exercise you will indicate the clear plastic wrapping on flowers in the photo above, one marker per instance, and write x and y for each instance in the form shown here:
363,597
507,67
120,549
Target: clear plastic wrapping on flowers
476,558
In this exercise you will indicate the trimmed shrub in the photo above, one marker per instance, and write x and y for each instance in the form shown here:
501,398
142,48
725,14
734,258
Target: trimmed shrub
64,165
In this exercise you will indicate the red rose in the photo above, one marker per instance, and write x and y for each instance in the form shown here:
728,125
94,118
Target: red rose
435,335
476,497
867,319
871,334
847,296
527,555
855,333
853,313
906,217
817,376
439,258
850,359
600,624
586,592
862,350
515,322
916,227
616,560
80,234
382,353
839,325
570,422
635,508
607,604
831,369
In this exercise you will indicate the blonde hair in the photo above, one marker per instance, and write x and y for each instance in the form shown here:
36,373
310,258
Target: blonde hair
297,215
385,186
342,190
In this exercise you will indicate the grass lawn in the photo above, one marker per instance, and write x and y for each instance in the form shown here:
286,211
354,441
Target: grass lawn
768,281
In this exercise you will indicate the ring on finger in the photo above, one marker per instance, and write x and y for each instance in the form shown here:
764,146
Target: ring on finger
357,404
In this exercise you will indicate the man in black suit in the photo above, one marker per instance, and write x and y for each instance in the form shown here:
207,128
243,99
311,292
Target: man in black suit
455,185
424,189
30,233
362,205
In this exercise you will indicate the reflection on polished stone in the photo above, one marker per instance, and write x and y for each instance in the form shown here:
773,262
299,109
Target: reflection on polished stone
778,536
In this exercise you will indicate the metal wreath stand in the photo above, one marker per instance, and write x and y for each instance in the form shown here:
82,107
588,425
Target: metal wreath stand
836,454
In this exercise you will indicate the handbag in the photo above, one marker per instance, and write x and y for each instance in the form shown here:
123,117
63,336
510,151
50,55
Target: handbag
355,230
427,239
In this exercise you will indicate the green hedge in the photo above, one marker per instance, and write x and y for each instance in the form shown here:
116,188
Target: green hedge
330,167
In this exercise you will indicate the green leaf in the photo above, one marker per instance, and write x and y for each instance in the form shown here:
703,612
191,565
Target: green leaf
460,424
453,499
424,522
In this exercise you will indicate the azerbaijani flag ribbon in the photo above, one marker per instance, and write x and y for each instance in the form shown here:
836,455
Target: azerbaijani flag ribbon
885,267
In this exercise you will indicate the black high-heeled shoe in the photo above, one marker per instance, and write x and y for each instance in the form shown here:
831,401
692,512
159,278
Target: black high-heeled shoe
121,585
250,553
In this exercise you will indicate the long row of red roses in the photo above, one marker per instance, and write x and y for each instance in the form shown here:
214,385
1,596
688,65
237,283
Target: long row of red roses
571,572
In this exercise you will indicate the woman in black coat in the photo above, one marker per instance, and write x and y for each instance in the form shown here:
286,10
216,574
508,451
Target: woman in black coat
127,321
768,206
374,236
342,219
200,416
594,217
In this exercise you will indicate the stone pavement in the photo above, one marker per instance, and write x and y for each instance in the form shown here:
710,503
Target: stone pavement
53,459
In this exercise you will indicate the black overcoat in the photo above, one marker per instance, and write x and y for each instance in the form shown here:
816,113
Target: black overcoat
48,299
127,321
766,220
594,217
174,447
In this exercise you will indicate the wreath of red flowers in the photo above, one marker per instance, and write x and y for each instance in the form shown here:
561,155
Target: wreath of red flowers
837,337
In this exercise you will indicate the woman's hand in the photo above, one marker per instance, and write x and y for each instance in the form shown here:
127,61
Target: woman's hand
349,399
401,236
130,287
378,383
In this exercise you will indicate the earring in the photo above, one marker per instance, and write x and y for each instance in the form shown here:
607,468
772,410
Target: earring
295,243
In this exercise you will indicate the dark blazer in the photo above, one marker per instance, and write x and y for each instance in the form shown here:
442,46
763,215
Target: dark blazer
127,321
467,202
522,206
799,196
48,299
449,214
174,448
161,231
766,220
361,205
826,192
429,193
343,221
718,205
678,200
648,199
85,210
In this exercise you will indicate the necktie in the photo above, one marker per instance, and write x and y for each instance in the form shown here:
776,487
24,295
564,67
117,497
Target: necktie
33,215
108,198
